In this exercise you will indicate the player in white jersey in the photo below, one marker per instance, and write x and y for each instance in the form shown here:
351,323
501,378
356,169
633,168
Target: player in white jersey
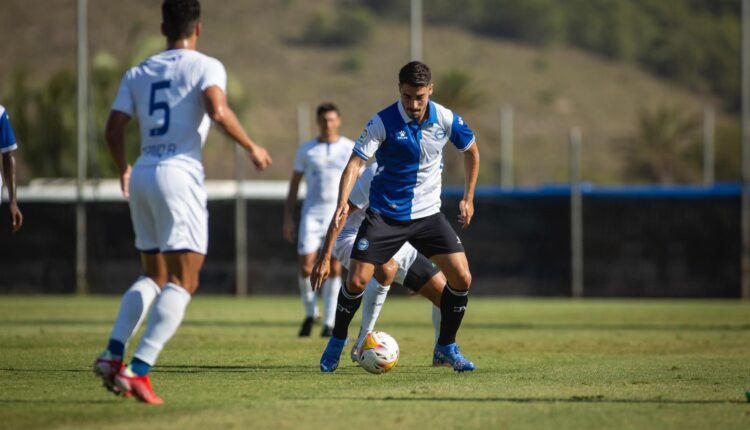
174,95
407,267
8,146
320,161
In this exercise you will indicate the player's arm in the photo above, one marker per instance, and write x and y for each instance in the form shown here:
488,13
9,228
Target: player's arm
290,204
348,178
322,267
471,167
9,171
224,116
114,134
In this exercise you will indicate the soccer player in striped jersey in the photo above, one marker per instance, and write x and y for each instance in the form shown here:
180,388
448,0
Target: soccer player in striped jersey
407,140
8,146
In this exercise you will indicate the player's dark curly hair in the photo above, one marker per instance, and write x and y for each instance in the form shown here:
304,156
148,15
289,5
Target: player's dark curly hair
416,74
324,108
180,18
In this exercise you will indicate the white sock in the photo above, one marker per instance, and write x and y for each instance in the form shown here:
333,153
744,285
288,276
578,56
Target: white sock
436,321
372,302
308,296
164,318
133,308
330,295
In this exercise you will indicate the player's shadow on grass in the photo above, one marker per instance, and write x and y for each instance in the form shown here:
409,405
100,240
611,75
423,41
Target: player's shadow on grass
240,368
58,400
572,399
188,323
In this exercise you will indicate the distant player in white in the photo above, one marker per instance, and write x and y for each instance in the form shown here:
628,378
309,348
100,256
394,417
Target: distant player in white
174,95
8,146
407,267
320,161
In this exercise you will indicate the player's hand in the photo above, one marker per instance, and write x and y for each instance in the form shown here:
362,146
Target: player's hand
320,273
125,182
260,157
288,230
466,212
342,212
16,216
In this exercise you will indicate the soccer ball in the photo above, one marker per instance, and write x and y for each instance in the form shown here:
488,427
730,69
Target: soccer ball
379,352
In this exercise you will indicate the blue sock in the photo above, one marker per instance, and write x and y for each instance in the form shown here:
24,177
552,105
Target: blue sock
139,367
116,348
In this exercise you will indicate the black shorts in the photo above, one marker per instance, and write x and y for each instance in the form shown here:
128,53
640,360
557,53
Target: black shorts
421,271
380,238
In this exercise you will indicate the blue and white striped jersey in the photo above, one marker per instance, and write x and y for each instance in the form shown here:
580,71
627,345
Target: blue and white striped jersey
408,181
7,137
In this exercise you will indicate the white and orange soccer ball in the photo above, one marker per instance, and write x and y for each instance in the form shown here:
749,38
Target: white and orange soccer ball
379,352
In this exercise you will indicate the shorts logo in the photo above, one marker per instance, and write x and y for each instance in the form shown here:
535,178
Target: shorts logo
460,120
458,240
401,135
363,244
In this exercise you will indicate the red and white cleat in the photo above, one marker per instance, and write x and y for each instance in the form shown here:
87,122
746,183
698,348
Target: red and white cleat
106,368
138,386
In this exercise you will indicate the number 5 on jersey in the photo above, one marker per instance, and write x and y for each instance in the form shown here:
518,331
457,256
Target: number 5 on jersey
154,106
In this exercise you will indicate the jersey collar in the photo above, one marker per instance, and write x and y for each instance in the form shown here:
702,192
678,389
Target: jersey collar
431,113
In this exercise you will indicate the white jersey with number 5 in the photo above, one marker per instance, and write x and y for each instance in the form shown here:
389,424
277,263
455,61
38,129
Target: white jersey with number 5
165,92
168,203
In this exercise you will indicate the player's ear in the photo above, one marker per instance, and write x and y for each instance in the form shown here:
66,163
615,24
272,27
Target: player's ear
198,29
430,87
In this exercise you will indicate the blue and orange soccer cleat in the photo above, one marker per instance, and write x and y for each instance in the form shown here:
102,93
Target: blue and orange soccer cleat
329,361
449,355
138,386
106,367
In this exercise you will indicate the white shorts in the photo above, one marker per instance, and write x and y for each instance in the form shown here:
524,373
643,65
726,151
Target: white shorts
168,206
404,257
312,230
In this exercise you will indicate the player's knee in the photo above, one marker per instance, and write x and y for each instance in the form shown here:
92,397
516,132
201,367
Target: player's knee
386,273
356,283
463,282
306,270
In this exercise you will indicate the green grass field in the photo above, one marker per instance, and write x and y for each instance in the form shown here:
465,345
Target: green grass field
541,364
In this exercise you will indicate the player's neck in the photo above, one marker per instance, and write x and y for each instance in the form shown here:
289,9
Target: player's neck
188,43
329,138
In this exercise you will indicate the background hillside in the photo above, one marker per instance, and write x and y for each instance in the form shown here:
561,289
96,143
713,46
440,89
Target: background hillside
277,58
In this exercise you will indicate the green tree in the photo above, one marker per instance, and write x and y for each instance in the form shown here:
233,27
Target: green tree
456,89
661,150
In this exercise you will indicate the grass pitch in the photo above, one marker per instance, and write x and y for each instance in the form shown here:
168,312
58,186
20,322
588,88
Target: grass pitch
541,364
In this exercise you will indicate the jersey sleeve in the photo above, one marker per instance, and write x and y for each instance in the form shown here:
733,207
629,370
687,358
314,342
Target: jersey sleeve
299,159
124,101
461,135
214,74
7,137
370,139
